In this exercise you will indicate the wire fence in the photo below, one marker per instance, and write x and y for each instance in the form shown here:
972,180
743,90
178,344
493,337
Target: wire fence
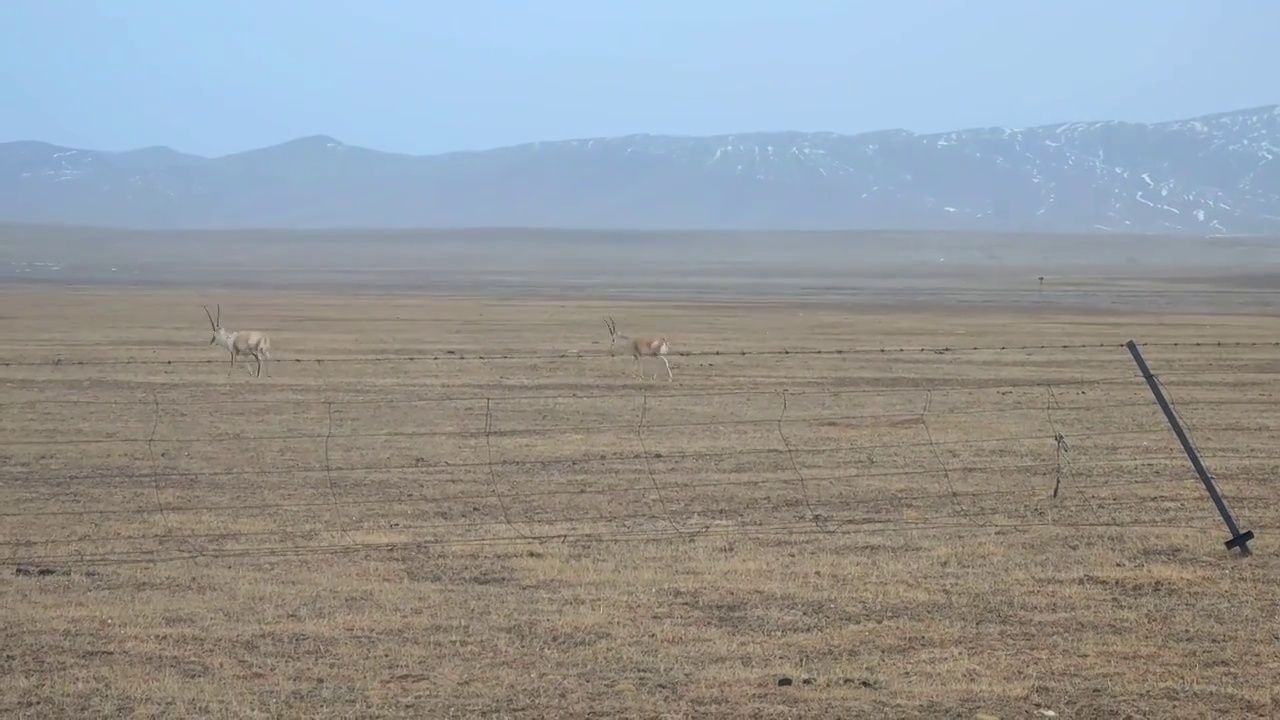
156,357
174,476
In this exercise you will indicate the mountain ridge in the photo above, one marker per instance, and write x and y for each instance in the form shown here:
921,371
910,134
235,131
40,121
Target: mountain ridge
1258,109
1212,174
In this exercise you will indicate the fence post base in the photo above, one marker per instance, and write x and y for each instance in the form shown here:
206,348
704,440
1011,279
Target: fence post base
1241,541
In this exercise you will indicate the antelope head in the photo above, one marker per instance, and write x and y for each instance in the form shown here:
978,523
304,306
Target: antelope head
220,336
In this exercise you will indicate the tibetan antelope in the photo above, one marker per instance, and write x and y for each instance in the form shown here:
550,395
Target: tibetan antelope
642,346
243,342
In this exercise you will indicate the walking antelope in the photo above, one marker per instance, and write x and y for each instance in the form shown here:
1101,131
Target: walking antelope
243,342
641,346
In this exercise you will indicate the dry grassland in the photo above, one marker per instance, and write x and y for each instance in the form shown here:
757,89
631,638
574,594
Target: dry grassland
505,538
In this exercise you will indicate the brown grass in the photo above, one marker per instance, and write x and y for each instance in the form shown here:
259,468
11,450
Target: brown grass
196,569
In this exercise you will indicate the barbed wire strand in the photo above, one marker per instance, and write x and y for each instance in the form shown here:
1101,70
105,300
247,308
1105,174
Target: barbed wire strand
1172,459
549,429
793,529
480,524
456,356
1096,384
629,457
825,389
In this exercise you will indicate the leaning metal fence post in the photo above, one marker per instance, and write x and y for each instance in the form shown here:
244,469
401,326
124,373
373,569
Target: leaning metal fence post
1238,539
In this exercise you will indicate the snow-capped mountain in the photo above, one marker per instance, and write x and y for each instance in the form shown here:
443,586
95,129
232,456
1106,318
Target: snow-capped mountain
1210,175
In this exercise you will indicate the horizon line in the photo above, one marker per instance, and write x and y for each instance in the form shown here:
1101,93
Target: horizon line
8,225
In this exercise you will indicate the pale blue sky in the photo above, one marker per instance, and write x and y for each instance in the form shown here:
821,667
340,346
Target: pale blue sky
222,76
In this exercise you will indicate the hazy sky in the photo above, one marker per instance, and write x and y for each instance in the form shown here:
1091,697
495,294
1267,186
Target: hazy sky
227,75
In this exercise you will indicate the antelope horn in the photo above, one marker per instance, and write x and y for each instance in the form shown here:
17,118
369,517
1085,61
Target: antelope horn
219,322
212,324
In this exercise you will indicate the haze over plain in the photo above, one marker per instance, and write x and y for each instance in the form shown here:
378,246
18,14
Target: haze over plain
761,119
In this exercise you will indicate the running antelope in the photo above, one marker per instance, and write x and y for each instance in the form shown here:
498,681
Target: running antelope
641,346
243,342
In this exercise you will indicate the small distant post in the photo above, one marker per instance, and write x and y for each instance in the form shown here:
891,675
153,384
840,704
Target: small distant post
1238,539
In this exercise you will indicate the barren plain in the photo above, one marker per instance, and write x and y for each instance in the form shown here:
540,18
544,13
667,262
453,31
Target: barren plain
439,506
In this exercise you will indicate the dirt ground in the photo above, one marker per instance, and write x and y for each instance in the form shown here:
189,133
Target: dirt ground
495,518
